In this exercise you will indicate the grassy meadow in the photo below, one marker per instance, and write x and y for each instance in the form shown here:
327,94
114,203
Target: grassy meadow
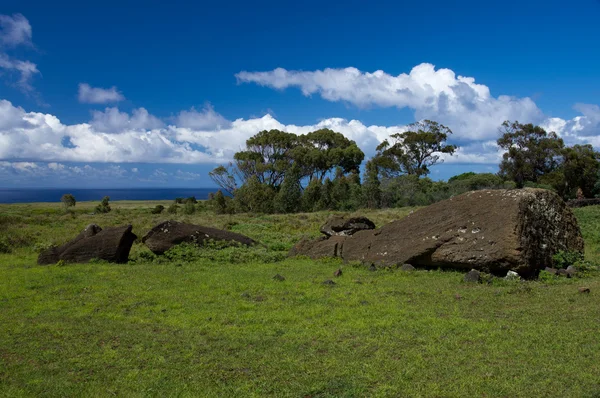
214,323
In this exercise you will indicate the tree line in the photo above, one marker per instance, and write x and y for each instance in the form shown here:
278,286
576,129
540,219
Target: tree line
281,172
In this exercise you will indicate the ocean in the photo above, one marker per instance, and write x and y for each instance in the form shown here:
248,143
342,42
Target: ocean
84,195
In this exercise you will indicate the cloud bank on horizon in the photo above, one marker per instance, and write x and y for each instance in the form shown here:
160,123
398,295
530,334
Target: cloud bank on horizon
206,137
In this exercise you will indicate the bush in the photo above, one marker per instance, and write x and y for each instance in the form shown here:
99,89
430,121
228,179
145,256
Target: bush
173,209
191,199
103,207
563,259
5,246
220,203
179,200
189,208
68,200
158,209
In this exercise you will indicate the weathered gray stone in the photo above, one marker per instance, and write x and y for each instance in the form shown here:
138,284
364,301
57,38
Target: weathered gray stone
472,276
491,230
110,244
342,226
171,233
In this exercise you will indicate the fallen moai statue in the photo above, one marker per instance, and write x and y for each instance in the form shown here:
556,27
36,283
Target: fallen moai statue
493,231
170,233
110,244
341,226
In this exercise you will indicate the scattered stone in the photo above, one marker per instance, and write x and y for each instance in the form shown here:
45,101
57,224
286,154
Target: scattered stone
245,295
457,296
571,271
492,230
110,244
561,272
171,233
550,270
338,272
472,276
407,267
584,290
279,278
329,282
512,276
372,268
341,226
364,302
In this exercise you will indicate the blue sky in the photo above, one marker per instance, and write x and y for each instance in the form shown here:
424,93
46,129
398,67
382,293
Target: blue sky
154,93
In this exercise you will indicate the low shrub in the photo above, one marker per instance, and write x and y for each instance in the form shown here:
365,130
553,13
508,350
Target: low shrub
563,259
158,209
173,209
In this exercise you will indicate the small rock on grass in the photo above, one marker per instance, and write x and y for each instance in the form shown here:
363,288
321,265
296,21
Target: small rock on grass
472,276
372,267
329,282
584,290
552,271
338,272
512,276
279,278
407,267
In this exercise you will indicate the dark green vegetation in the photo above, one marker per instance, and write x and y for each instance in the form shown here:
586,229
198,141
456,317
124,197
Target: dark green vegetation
280,172
215,323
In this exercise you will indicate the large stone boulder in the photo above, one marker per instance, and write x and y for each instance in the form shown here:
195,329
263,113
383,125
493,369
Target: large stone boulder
170,233
493,231
110,244
341,226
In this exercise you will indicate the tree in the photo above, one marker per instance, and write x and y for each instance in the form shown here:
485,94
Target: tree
323,150
289,197
68,200
530,153
580,166
267,157
414,151
311,195
255,196
372,186
103,207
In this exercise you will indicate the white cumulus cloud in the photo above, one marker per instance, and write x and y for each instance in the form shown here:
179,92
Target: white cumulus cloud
16,31
96,95
466,107
114,121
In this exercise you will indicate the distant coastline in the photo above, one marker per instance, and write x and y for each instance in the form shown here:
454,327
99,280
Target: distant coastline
34,195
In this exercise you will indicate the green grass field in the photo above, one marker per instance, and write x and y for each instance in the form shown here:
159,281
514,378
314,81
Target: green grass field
215,323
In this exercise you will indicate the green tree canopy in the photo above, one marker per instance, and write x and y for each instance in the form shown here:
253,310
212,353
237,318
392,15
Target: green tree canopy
414,151
530,153
579,168
323,150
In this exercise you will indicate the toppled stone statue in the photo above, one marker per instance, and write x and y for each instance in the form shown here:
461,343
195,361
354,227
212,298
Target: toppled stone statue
341,226
170,233
110,244
489,230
